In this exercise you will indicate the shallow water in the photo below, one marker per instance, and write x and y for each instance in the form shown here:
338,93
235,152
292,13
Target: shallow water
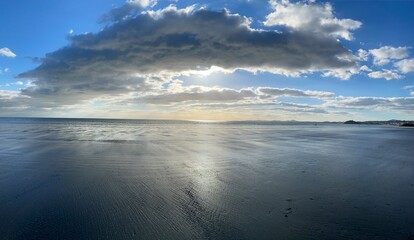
114,179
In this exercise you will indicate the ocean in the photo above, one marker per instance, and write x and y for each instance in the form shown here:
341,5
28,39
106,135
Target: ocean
148,179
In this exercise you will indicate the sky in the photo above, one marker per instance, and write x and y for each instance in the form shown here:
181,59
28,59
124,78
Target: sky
208,60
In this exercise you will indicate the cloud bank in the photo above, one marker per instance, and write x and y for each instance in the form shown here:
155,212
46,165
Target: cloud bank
174,41
138,59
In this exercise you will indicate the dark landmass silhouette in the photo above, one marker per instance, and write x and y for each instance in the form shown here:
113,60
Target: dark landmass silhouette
393,122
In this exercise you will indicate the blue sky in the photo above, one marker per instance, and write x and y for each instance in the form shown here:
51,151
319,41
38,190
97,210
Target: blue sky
222,60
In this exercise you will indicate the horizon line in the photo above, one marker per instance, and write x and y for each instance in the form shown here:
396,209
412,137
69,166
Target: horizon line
200,120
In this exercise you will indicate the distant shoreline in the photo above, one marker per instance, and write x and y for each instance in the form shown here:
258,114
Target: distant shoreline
402,123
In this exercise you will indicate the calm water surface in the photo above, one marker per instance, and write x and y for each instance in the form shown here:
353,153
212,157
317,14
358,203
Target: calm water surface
114,179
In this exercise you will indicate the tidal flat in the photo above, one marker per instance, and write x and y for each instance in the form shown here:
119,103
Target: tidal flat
143,179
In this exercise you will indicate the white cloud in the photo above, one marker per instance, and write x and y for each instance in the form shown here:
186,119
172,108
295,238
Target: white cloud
291,92
405,66
197,93
365,68
142,3
8,94
385,54
177,93
130,9
7,52
408,87
375,103
262,107
363,55
387,74
4,70
172,8
310,17
344,74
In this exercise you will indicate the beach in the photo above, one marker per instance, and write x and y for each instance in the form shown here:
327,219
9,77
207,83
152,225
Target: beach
149,179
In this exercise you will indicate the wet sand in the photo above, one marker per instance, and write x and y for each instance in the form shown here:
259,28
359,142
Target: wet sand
107,179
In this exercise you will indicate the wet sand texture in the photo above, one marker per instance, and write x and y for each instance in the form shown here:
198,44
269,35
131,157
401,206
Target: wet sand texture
73,179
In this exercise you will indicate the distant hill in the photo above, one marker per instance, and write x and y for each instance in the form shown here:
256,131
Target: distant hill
352,122
393,122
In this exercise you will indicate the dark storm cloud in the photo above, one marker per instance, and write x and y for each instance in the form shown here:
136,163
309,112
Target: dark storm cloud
173,41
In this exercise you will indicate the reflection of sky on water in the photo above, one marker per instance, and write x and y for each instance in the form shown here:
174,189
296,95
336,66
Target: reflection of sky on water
125,179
